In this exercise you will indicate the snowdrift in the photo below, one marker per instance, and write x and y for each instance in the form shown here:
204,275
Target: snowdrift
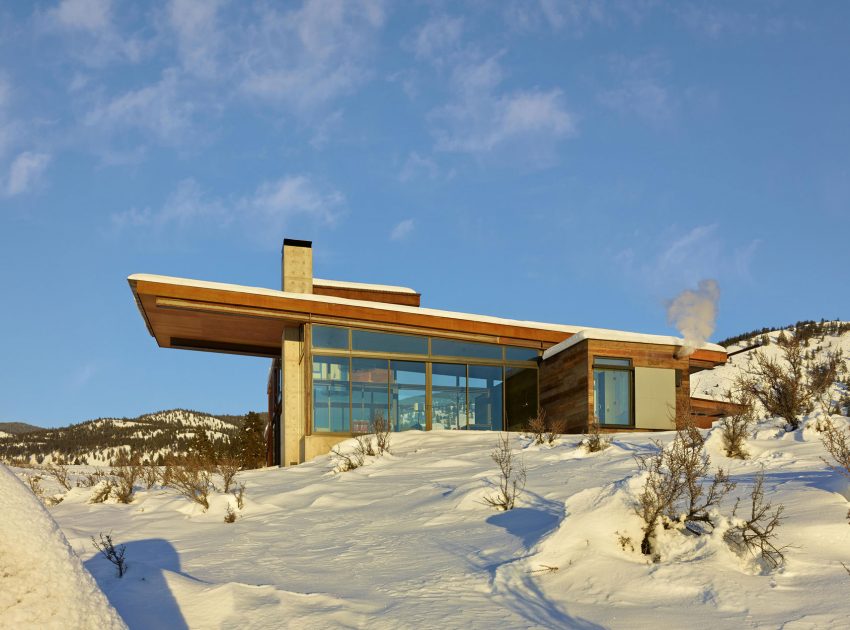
42,582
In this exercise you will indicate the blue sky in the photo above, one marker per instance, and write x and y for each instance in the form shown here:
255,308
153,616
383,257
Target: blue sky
555,160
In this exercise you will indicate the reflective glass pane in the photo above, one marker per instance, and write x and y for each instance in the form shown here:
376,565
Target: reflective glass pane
455,348
485,397
612,396
369,341
514,353
369,393
331,394
330,337
407,380
520,397
448,396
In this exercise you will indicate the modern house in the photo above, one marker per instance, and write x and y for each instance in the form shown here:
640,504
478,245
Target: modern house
345,353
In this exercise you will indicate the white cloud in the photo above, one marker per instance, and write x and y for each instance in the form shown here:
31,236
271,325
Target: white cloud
87,15
417,165
402,230
25,171
308,57
158,108
195,23
263,214
641,89
438,37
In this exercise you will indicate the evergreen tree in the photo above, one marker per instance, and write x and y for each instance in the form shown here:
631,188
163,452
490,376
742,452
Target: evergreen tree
251,441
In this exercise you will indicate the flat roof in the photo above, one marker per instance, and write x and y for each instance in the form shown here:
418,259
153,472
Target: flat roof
215,316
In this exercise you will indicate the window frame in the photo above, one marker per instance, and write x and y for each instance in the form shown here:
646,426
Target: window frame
630,369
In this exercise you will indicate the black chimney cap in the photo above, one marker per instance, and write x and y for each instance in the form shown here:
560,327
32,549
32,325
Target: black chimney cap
294,242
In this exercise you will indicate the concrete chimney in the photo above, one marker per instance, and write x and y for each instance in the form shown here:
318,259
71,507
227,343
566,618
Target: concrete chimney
296,267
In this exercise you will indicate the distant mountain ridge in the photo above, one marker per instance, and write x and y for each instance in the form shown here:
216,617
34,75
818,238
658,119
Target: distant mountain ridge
151,436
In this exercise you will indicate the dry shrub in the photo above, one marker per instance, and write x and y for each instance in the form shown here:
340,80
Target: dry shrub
757,532
227,467
126,471
380,426
240,495
229,514
594,441
191,479
34,483
675,492
59,472
101,491
150,474
112,553
735,429
545,430
512,475
837,443
356,457
91,479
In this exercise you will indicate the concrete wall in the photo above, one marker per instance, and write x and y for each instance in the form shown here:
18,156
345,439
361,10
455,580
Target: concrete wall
293,415
655,398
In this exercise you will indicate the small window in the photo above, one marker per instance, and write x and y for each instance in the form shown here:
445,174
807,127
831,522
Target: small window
368,341
330,337
471,349
612,362
514,353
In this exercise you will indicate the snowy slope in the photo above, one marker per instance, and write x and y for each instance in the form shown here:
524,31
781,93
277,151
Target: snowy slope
406,542
42,582
716,382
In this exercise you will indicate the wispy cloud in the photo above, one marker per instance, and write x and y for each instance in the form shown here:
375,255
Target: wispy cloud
574,16
641,89
437,38
263,214
482,117
25,171
199,40
402,230
417,165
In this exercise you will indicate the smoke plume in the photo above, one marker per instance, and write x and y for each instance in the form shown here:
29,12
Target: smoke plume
694,314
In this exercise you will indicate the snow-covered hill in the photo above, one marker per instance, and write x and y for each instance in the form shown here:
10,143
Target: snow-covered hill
717,382
407,542
97,442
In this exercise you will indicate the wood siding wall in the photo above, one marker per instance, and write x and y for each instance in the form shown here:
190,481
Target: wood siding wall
566,379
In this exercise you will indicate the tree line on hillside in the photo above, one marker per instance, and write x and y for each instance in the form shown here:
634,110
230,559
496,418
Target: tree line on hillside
804,329
150,437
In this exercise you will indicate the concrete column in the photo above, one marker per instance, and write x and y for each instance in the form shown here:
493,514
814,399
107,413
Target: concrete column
297,266
292,415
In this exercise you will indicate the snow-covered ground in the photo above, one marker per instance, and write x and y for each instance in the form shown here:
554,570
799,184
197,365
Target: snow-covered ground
406,542
42,582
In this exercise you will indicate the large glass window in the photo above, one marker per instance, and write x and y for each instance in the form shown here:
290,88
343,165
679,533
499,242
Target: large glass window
369,393
448,396
515,353
520,397
471,349
612,391
331,389
485,397
370,341
330,337
407,382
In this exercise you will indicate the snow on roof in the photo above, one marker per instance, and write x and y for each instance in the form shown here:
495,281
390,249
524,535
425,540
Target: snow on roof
43,584
328,299
575,331
342,284
619,335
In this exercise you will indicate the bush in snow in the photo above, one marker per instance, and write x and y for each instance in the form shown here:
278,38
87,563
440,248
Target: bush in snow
191,479
240,495
227,467
593,441
112,553
545,430
127,471
101,491
354,458
837,443
229,515
59,472
757,532
380,426
735,429
789,387
675,493
512,475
